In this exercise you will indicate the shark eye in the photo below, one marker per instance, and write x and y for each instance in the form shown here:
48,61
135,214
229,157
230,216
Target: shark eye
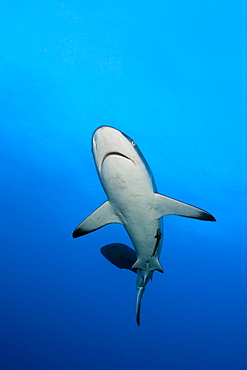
133,143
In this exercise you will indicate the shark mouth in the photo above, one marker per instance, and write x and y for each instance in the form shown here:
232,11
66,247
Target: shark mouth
115,153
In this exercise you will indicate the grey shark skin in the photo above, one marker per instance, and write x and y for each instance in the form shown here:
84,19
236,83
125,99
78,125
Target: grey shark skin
134,202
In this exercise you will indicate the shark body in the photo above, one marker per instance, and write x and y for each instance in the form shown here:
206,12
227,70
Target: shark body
134,202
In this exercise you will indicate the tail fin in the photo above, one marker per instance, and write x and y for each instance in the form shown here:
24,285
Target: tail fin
143,277
138,304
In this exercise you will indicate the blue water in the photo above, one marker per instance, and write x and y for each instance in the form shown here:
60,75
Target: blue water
171,75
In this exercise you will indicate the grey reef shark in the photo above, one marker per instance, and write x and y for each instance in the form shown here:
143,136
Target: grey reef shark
134,202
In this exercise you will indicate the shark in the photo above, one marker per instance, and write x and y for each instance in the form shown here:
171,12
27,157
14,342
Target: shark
134,202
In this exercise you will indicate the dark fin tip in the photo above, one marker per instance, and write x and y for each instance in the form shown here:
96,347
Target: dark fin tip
76,234
138,319
80,232
210,218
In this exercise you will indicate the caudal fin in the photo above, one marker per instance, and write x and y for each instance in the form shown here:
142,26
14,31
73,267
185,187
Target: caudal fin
138,304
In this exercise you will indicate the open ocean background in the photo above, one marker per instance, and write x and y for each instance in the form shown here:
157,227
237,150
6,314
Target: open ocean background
171,75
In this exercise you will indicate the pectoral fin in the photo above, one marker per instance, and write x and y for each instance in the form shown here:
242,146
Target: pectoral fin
168,206
102,216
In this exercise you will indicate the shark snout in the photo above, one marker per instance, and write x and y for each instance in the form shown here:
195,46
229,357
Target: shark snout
108,141
105,134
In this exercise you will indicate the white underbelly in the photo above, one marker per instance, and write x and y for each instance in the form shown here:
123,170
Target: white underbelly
130,191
